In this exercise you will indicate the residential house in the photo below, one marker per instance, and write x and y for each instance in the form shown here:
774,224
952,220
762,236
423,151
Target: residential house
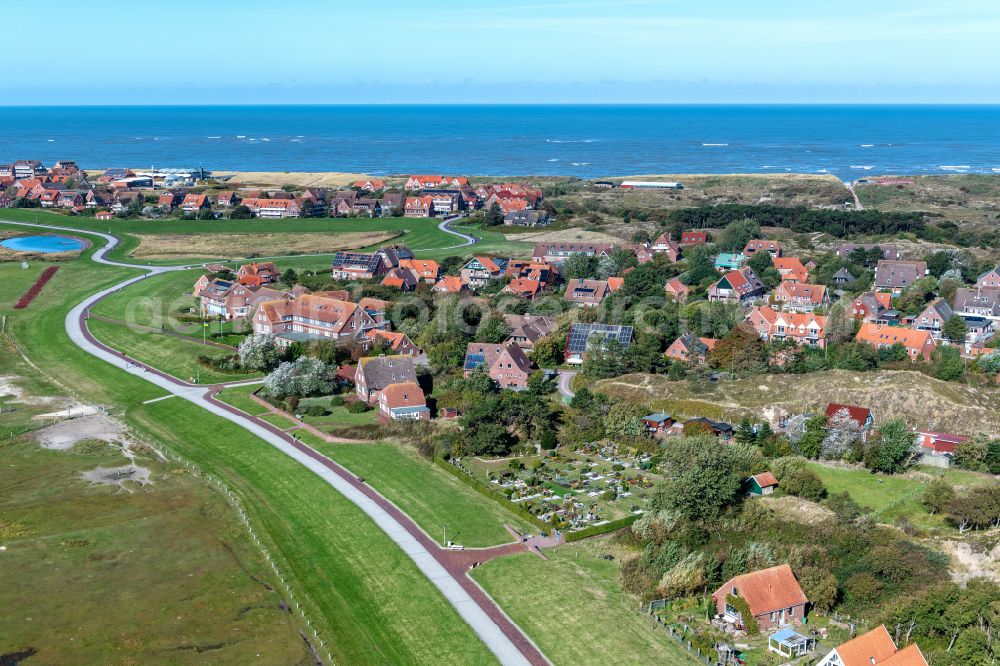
803,327
526,330
170,200
419,206
450,284
856,420
426,270
527,218
397,341
403,402
375,373
505,363
358,266
586,293
933,317
870,306
989,280
104,215
557,252
895,276
741,286
370,184
773,596
800,297
690,349
758,245
376,309
791,269
229,300
643,254
28,169
533,270
258,274
843,276
663,245
193,203
311,317
403,279
508,205
761,484
657,423
677,290
481,270
366,208
522,287
873,648
940,443
584,337
918,344
228,199
693,238
444,204
978,302
273,208
720,429
727,261
424,182
393,204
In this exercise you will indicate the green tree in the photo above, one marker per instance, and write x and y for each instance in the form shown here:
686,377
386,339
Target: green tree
624,418
290,277
737,234
954,329
803,483
493,216
819,585
844,507
745,433
701,480
579,266
972,454
494,331
548,351
891,450
948,363
741,352
937,495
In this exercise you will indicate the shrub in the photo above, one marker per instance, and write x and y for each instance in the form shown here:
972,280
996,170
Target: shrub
292,403
317,410
336,401
805,484
358,407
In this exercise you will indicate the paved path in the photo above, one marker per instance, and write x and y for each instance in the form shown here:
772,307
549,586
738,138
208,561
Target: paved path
857,201
449,574
565,381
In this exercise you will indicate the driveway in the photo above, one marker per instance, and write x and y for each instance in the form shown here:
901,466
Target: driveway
565,381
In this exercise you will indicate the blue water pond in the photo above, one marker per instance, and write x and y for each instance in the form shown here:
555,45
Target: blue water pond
45,244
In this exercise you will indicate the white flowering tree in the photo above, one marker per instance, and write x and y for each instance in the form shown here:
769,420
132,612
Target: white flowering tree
259,352
304,376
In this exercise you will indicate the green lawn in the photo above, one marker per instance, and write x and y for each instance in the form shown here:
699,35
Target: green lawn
367,599
573,607
890,496
427,494
338,417
155,302
239,397
175,356
279,421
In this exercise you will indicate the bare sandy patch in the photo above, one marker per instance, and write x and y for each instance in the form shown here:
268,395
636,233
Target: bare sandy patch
296,178
63,435
237,246
798,509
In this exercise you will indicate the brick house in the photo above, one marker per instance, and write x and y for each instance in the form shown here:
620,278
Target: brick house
689,348
257,274
397,341
802,327
895,276
506,363
481,270
693,238
586,293
873,648
558,252
375,373
918,344
312,317
193,203
799,296
358,266
403,401
741,285
663,245
773,596
757,246
933,317
677,289
419,206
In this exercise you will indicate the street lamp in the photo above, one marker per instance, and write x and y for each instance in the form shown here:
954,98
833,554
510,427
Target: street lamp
444,543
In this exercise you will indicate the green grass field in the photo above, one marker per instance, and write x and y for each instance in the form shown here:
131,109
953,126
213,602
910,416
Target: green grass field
889,496
175,356
421,235
239,397
573,606
430,496
367,599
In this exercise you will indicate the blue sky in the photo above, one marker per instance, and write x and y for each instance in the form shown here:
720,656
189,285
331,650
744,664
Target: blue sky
337,51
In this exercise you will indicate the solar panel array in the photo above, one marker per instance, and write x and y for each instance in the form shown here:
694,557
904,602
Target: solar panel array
580,334
473,361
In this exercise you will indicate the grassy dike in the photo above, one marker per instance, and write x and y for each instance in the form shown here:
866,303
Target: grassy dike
367,599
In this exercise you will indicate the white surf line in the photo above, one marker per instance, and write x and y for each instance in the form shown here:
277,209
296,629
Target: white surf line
466,607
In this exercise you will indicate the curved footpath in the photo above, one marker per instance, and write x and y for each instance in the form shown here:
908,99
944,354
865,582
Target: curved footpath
448,573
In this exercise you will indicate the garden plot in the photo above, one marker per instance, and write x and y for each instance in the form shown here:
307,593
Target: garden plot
572,489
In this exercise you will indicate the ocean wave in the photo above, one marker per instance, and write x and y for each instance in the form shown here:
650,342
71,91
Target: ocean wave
995,169
863,167
868,145
960,167
241,136
580,163
52,140
822,171
715,145
571,140
554,159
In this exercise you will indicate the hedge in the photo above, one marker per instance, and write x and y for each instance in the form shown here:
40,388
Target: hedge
483,489
596,530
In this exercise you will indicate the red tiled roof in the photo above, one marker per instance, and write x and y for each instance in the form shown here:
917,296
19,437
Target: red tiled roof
766,590
859,414
403,394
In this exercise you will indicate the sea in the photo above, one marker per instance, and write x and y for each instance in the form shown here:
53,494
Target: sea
588,141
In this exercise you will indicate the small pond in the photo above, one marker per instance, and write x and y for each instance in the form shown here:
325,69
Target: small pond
44,244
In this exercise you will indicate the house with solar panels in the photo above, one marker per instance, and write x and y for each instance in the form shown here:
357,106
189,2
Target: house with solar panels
506,363
583,337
